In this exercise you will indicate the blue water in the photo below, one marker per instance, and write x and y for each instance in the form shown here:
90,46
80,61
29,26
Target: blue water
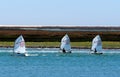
50,63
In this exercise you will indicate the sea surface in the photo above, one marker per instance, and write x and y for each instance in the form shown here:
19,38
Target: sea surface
51,63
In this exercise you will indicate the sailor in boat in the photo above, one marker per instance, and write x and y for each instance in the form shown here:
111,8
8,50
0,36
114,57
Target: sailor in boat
96,45
65,44
19,47
63,50
95,51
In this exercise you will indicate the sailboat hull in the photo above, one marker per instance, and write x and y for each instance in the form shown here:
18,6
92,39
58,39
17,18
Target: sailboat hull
97,53
19,54
25,54
65,51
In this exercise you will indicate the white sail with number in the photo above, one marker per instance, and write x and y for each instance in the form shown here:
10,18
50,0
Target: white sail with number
65,44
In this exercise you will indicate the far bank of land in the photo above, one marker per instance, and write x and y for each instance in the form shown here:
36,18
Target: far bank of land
48,36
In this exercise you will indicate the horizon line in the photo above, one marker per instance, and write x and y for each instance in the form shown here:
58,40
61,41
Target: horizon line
59,25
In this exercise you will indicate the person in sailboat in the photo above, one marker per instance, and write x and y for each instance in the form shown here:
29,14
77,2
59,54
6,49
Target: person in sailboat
96,45
95,51
63,50
65,44
19,47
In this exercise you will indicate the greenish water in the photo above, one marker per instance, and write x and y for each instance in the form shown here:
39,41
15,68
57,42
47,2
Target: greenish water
50,63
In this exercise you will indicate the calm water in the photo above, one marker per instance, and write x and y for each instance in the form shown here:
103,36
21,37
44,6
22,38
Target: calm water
53,64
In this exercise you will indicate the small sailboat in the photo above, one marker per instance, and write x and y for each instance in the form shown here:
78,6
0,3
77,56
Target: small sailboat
97,45
65,44
19,47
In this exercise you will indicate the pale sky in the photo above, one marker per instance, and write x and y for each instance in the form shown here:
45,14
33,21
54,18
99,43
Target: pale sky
60,12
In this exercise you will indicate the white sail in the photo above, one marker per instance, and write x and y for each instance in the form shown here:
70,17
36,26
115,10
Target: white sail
19,45
65,43
96,44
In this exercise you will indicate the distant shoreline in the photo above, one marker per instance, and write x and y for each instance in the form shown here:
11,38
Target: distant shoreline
55,33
